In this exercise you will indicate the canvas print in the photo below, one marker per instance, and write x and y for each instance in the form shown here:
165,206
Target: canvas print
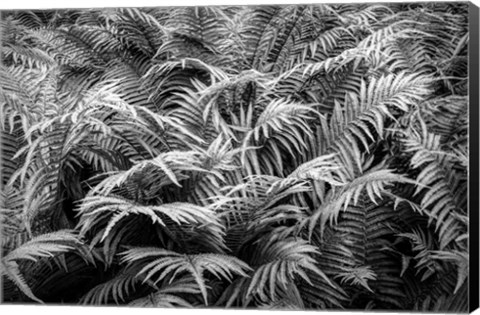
306,157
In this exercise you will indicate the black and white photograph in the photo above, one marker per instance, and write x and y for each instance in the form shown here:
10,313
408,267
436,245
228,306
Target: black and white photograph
309,157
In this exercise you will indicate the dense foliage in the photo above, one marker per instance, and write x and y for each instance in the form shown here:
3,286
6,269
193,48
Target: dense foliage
306,156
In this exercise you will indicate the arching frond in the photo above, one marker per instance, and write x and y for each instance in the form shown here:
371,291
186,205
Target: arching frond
165,169
446,117
167,262
168,296
46,245
116,289
94,209
441,183
372,183
278,263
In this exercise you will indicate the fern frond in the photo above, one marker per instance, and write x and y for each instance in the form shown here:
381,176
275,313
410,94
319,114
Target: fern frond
118,288
162,300
460,259
11,270
441,196
279,262
165,262
358,276
282,127
372,183
46,245
166,168
109,214
444,116
93,209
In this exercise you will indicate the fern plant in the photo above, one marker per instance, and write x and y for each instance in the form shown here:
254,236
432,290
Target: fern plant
294,157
